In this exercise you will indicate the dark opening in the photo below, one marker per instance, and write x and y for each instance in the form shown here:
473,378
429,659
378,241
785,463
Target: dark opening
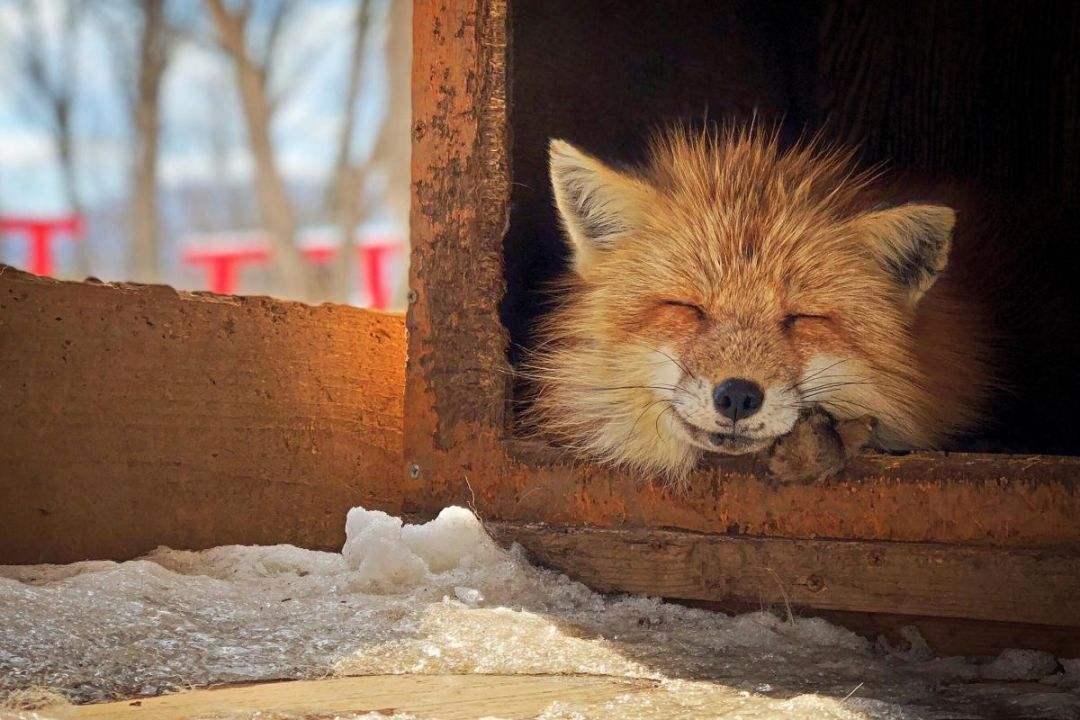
987,93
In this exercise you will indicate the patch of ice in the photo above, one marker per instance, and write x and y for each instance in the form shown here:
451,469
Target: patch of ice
393,557
1028,665
373,548
917,647
1071,678
453,539
443,598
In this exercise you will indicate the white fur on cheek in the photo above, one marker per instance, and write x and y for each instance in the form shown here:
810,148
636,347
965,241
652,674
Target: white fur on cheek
635,427
842,386
694,403
666,372
671,383
777,415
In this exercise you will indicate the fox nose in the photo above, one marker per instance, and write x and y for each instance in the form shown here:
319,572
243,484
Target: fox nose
736,398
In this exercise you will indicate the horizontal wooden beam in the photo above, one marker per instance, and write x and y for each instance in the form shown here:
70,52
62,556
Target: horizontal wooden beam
137,416
919,579
978,499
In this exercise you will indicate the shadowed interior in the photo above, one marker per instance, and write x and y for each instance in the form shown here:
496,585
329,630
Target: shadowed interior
981,95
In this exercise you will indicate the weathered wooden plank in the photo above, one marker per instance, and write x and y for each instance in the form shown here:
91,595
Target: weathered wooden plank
992,500
460,184
135,416
448,697
1014,585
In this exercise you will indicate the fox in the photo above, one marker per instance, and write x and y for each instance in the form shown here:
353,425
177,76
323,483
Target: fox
728,286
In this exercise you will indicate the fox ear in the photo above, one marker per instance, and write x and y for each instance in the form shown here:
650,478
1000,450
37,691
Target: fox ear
596,203
911,242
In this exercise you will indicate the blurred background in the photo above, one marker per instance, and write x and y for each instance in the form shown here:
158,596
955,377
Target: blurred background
228,145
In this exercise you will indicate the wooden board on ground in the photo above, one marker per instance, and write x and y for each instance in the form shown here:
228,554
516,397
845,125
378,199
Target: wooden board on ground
447,697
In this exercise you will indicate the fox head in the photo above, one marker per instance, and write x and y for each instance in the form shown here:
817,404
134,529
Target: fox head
722,288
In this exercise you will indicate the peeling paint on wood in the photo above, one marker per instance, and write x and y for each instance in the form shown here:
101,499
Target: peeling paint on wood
460,192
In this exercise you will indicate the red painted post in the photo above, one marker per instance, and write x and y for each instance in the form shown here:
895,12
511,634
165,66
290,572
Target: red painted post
223,263
40,234
319,254
372,257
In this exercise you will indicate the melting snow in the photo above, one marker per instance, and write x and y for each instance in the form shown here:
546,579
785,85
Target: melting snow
443,598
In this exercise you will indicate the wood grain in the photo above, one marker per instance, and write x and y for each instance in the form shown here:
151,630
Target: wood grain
136,416
924,579
460,183
448,697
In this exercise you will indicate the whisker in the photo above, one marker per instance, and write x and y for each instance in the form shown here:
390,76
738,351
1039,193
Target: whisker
661,352
670,408
670,388
817,390
821,371
644,412
825,379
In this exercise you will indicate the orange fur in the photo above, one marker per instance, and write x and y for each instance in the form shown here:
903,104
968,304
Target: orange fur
727,257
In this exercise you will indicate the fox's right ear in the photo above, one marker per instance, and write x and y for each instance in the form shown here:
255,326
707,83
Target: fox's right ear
597,204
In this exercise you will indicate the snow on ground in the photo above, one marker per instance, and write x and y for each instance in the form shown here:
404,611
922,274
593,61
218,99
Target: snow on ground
443,598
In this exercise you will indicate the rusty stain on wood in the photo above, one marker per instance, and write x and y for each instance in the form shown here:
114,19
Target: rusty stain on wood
457,395
136,416
1004,501
461,184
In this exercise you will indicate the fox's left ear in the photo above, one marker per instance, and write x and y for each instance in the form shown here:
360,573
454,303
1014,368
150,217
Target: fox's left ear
911,242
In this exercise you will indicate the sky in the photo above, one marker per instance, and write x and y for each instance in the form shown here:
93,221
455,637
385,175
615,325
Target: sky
199,104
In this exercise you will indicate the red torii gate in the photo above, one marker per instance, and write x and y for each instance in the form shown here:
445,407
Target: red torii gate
40,234
222,256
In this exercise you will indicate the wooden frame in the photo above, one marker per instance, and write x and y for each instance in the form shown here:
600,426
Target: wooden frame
923,536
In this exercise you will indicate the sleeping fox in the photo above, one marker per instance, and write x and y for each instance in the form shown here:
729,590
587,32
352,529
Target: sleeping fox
728,286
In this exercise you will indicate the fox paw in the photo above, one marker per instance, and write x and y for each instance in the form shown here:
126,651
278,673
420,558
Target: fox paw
818,447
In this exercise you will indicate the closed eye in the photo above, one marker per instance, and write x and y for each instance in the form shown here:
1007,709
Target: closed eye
698,310
792,319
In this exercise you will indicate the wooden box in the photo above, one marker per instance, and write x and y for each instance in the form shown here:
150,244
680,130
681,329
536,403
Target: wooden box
979,551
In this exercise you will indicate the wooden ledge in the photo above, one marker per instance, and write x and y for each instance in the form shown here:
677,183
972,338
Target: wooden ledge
970,499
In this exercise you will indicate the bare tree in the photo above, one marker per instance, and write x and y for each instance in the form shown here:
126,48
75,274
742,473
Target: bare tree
346,189
51,73
252,78
393,148
145,221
